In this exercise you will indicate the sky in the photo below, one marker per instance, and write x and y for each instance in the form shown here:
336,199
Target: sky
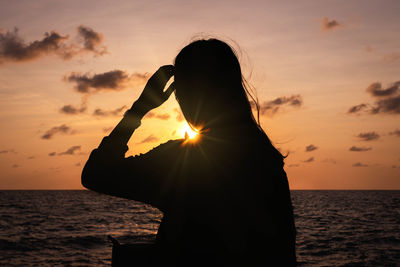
327,75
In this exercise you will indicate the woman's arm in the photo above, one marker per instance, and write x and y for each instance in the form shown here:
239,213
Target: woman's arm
153,96
107,170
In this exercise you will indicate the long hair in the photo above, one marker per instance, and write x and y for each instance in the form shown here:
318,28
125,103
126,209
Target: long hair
211,89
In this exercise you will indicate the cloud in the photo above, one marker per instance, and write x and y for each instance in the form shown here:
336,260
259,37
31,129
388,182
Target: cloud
13,48
51,154
333,161
179,116
359,149
357,108
389,105
376,90
391,57
15,166
329,24
55,169
104,113
293,165
311,148
309,159
395,132
369,136
70,151
62,129
31,157
88,84
273,106
151,138
164,116
7,151
72,110
359,164
92,40
387,100
107,129
114,80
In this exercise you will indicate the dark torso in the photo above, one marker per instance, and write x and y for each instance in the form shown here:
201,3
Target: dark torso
229,198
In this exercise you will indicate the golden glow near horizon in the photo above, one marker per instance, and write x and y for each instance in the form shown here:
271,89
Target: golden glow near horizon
325,80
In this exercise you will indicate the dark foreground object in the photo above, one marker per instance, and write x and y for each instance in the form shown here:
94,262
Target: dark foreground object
140,254
149,254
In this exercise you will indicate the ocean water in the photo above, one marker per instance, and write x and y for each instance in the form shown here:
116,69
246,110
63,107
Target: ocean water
70,228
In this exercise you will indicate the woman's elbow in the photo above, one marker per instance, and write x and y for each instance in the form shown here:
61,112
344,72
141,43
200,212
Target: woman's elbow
90,172
87,178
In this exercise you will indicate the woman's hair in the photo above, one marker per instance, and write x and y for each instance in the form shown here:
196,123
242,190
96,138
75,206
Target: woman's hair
210,87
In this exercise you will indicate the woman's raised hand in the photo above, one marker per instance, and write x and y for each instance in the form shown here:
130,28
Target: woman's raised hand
153,94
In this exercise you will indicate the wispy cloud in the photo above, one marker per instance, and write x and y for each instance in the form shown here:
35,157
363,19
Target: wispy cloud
62,129
369,136
311,148
359,149
179,116
272,107
70,151
359,164
6,151
114,80
376,89
107,129
328,24
88,84
387,100
13,48
151,138
329,160
293,165
109,81
395,133
389,105
104,113
309,160
73,110
164,116
92,40
391,57
357,108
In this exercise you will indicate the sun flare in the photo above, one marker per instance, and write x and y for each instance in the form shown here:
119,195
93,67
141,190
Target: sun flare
190,132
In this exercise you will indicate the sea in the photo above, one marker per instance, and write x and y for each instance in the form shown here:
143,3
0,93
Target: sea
71,227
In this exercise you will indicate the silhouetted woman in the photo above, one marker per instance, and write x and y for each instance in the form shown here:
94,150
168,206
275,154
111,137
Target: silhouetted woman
225,195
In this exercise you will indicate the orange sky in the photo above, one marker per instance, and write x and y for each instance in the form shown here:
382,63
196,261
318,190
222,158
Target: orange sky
310,62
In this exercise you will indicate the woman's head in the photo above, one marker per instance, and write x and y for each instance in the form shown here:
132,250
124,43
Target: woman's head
211,90
209,84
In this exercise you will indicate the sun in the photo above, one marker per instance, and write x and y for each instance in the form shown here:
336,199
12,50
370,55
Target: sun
190,132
